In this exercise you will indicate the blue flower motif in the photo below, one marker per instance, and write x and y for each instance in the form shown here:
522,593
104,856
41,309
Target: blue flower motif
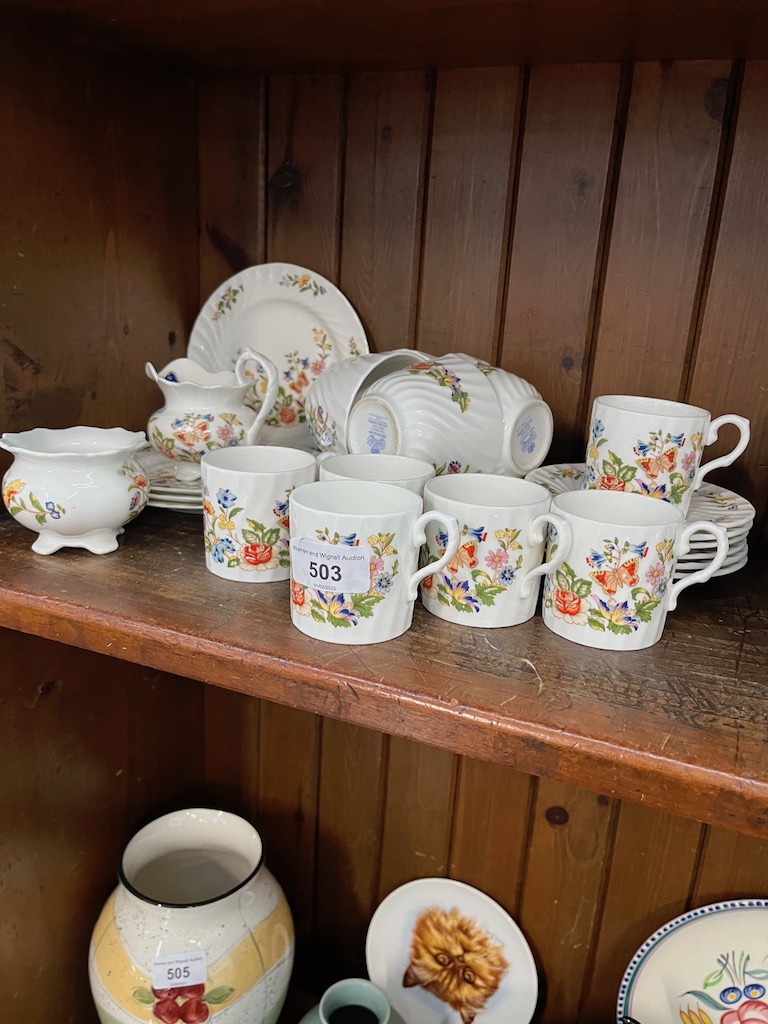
172,378
461,594
305,363
507,575
442,538
591,474
639,549
225,497
596,558
222,549
598,428
478,533
678,440
281,508
350,540
383,583
54,512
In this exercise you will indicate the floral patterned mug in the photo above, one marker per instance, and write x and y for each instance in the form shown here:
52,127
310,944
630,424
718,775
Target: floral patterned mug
654,447
490,579
354,556
245,509
614,586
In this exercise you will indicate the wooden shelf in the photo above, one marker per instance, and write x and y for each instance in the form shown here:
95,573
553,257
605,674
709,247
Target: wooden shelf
234,36
680,726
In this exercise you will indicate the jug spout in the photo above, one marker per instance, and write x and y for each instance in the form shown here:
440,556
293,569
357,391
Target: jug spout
151,372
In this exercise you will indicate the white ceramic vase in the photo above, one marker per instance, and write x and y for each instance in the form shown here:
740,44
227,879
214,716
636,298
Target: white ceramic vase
196,929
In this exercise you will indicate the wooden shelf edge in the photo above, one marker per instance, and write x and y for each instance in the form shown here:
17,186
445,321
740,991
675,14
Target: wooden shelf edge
619,771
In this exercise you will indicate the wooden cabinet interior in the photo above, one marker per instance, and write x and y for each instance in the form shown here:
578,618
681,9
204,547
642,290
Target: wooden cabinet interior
593,227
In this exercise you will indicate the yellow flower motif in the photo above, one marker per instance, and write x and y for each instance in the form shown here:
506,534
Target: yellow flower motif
697,441
509,538
11,489
664,549
593,452
303,281
224,523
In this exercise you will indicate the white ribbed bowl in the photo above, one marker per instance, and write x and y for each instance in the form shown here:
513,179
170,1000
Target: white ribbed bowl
329,399
443,410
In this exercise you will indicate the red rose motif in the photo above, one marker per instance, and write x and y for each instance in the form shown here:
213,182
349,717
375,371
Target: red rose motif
610,483
287,415
257,554
428,582
566,602
298,594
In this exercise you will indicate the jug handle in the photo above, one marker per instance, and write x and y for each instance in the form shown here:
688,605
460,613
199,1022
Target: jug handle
269,370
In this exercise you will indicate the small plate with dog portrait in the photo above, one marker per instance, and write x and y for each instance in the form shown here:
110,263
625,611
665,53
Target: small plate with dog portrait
446,953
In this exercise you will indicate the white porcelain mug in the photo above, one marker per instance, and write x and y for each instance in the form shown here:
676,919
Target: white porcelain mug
490,580
614,586
245,509
385,469
354,556
654,447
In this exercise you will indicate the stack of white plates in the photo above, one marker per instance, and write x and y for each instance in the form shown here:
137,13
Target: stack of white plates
710,503
165,490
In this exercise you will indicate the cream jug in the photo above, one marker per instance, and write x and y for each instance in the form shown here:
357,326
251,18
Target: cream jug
204,411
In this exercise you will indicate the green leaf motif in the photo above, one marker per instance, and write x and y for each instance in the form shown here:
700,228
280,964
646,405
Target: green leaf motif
704,998
582,588
644,611
713,979
143,996
364,603
218,995
487,594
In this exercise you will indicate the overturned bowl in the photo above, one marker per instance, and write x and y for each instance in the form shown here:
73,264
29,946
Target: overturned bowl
75,487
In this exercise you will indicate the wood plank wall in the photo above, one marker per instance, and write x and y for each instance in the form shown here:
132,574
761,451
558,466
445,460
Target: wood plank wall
594,229
588,227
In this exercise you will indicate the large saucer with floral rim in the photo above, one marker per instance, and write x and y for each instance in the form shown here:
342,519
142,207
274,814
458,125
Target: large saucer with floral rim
301,322
708,966
438,947
710,503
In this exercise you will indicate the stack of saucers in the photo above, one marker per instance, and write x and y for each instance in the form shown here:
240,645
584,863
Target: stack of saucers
710,503
165,490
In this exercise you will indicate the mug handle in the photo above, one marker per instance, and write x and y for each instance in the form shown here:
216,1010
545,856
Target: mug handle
711,437
682,546
269,370
420,537
536,536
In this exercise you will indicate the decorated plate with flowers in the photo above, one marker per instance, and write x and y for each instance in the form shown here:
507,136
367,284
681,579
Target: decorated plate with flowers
566,476
293,316
709,966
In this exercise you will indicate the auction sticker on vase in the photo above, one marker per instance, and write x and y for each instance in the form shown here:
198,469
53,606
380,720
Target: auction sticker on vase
337,568
174,969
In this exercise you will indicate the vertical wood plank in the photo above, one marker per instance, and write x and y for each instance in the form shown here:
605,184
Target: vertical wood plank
471,167
417,817
566,149
98,263
493,801
387,121
659,228
92,748
654,857
732,867
565,869
287,807
232,722
352,774
304,168
231,155
731,362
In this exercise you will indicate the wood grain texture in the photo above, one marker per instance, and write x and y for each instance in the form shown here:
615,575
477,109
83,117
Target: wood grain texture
304,172
353,768
731,365
232,178
470,175
491,800
98,263
653,861
659,228
568,131
417,814
386,138
86,761
566,866
732,866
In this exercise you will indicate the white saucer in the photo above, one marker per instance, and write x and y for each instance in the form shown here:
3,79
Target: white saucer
703,965
513,993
